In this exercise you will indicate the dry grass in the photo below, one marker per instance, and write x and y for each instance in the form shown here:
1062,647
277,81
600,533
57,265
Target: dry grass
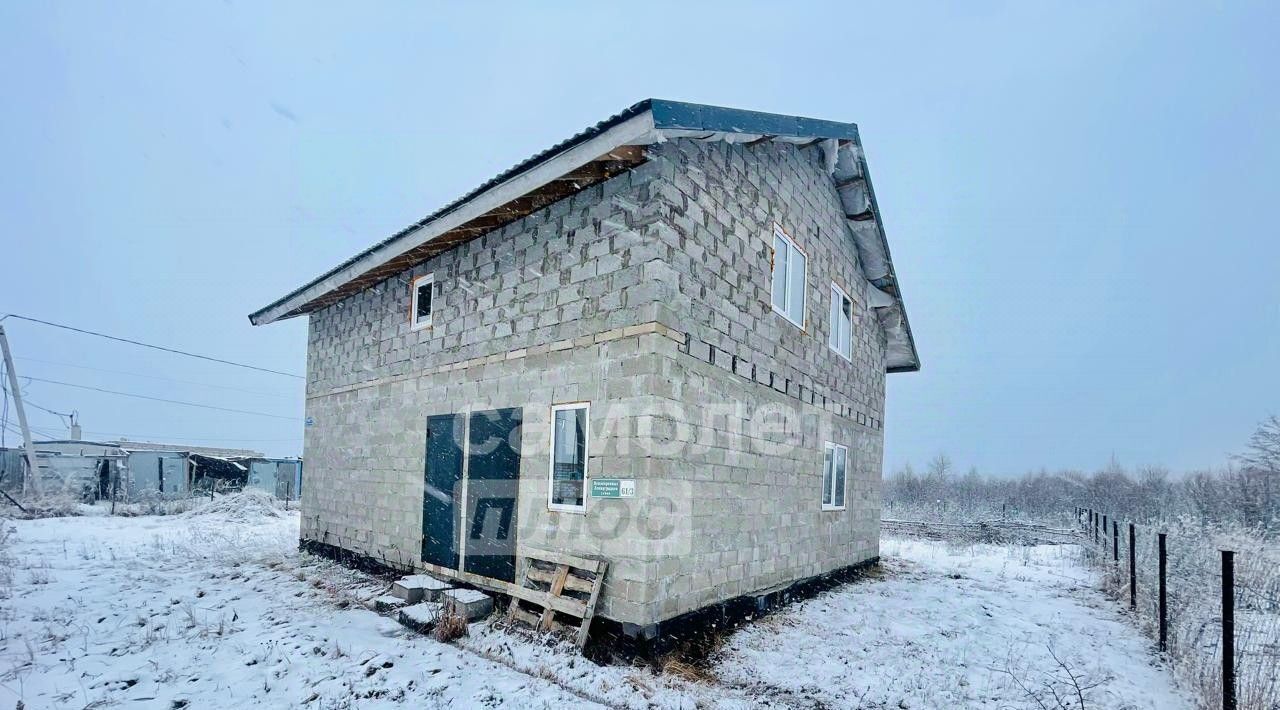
691,672
449,626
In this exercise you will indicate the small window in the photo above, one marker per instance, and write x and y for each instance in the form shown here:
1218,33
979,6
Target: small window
835,464
569,430
789,264
841,339
421,306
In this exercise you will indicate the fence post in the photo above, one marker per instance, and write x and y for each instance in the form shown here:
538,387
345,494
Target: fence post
1133,571
1228,631
1104,532
1115,541
1164,597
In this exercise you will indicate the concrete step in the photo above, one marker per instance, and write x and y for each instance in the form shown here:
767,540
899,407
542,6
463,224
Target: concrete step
387,603
419,587
420,617
467,603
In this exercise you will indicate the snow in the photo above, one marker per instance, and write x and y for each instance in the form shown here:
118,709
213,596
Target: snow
466,596
153,612
955,626
422,613
220,610
422,581
388,601
246,506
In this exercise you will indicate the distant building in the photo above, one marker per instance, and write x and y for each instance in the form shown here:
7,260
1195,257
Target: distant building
133,471
279,477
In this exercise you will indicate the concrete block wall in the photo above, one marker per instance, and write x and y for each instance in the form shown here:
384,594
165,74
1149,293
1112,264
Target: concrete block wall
720,203
757,476
583,265
365,468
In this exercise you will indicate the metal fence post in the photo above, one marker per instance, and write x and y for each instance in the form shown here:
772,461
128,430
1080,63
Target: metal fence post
1133,571
1104,531
1228,631
1164,596
1115,541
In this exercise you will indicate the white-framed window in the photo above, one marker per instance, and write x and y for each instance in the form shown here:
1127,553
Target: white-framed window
570,427
841,338
834,466
420,306
789,264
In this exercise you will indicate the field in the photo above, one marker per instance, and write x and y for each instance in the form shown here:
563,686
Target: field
217,608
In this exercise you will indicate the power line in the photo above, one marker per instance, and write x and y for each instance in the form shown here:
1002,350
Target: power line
159,399
153,347
14,429
46,409
154,377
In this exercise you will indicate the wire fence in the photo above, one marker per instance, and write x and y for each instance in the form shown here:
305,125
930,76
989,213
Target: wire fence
1198,591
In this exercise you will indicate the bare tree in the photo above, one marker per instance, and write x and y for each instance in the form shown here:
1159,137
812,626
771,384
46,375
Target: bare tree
1261,459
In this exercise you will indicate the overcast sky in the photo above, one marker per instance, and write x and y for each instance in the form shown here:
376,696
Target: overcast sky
1078,195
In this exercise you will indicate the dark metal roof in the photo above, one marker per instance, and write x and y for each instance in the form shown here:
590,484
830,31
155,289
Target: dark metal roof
677,115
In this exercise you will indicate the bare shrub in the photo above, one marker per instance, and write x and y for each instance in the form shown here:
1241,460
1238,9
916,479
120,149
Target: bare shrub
1062,688
52,504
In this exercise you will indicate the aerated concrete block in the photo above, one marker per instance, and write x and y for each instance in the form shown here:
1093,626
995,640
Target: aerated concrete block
467,603
387,603
419,587
420,617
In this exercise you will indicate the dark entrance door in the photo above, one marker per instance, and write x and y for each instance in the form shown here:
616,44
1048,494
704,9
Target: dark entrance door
442,479
493,481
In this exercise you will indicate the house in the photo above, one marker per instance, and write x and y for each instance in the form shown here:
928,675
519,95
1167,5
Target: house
662,342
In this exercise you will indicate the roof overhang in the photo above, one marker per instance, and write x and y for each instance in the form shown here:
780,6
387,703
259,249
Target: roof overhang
597,154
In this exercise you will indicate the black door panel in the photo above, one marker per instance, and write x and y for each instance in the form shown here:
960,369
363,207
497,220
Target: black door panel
443,485
493,481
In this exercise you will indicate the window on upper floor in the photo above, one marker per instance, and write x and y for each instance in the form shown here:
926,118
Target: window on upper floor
420,308
841,337
789,265
835,464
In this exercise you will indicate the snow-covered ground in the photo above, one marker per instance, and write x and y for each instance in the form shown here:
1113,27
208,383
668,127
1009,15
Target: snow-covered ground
220,610
956,626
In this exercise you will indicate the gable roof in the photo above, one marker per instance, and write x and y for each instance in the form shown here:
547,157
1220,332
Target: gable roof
608,148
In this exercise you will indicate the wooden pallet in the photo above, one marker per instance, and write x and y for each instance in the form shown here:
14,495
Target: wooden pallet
553,584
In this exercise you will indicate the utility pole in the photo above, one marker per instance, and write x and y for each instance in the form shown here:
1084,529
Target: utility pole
30,481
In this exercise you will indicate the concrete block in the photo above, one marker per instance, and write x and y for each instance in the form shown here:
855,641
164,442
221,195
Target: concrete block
419,587
420,617
468,603
387,603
